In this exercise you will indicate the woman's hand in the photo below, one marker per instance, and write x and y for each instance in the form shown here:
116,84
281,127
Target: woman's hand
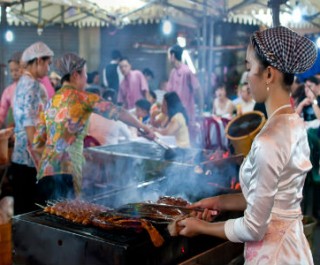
147,132
191,226
210,205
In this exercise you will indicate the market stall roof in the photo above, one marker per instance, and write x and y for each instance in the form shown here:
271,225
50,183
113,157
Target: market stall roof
86,13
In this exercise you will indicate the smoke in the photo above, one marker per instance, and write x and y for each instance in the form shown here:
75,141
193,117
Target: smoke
136,172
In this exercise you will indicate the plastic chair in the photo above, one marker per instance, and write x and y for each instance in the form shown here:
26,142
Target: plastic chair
208,123
90,141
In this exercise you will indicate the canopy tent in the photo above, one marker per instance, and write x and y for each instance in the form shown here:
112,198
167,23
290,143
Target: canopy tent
87,13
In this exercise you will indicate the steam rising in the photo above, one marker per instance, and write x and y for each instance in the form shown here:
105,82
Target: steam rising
137,172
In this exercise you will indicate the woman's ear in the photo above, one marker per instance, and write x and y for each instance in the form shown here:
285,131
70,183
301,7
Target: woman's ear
270,72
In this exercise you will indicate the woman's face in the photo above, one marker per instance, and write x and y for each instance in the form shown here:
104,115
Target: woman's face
257,86
43,67
82,78
221,93
164,107
15,71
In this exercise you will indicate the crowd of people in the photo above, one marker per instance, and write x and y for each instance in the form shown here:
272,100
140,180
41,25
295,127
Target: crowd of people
53,113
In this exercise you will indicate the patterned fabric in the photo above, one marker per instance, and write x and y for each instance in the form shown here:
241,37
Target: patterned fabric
61,129
272,178
286,50
28,98
7,101
184,82
36,50
132,88
69,63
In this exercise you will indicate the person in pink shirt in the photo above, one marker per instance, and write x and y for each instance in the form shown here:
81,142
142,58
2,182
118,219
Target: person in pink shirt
7,96
133,87
184,82
45,81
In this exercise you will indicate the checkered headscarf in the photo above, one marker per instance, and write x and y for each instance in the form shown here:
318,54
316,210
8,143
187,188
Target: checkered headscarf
286,50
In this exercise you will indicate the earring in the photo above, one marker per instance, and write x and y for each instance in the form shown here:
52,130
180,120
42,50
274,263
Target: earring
267,86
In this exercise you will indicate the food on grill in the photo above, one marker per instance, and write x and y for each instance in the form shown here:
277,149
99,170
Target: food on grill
166,208
109,221
86,213
178,201
76,211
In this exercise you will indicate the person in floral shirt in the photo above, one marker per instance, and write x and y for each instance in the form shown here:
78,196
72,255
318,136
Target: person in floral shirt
27,98
62,126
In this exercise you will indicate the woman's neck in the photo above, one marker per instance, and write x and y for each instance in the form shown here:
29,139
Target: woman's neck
276,101
69,84
31,71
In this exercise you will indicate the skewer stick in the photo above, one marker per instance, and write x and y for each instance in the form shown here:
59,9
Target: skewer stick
39,205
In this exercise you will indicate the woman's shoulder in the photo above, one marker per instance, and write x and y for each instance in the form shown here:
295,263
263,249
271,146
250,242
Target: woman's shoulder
280,131
179,118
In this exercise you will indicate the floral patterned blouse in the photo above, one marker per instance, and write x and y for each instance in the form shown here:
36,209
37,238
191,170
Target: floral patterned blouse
28,97
61,129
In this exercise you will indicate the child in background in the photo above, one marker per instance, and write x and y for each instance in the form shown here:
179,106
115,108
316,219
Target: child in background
143,107
155,105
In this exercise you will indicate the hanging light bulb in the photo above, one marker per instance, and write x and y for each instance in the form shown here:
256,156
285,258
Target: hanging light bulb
166,27
9,36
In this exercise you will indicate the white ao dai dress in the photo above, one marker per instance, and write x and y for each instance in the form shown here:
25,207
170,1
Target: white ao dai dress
272,178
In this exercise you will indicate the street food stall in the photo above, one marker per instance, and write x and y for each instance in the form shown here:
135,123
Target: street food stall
118,231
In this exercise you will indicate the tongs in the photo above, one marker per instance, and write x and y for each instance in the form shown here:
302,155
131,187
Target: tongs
169,152
156,139
143,205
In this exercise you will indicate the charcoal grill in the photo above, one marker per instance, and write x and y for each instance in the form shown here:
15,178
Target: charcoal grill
44,239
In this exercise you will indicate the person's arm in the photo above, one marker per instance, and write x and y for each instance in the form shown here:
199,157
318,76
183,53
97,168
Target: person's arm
231,108
305,102
104,77
226,202
170,129
193,226
111,111
31,110
5,104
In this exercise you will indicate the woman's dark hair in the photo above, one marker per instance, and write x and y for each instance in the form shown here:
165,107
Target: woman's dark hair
287,78
174,105
66,78
44,58
299,94
153,94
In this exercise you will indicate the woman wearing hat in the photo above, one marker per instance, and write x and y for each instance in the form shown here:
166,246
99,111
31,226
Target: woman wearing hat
29,95
273,174
63,126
